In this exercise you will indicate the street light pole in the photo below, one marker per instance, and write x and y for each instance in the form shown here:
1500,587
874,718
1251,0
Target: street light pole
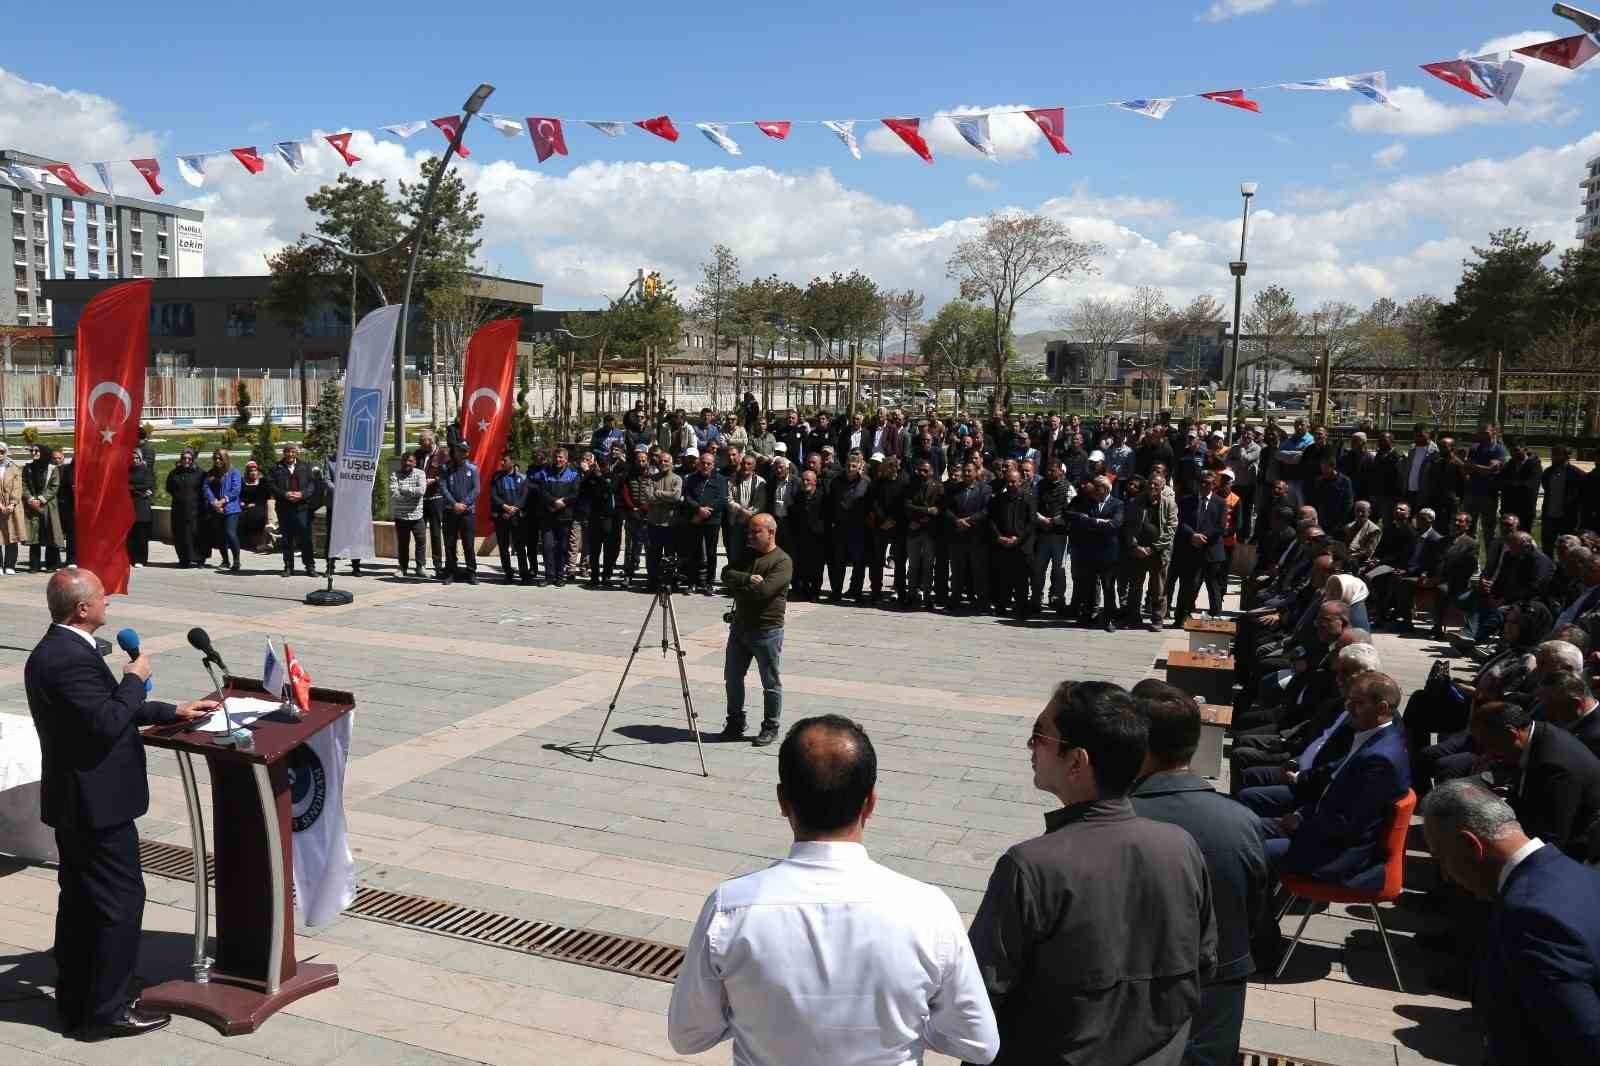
473,105
1587,22
1237,268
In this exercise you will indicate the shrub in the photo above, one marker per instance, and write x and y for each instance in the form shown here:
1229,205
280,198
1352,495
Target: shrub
263,452
30,435
195,444
241,404
230,437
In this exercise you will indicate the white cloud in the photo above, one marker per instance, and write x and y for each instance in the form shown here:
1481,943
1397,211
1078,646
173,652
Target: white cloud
1014,135
1388,157
585,232
1223,10
978,181
1540,97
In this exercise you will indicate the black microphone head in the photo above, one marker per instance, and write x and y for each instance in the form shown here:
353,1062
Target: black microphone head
200,640
128,641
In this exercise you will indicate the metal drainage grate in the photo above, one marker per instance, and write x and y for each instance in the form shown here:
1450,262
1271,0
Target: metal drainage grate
1248,1057
170,860
631,955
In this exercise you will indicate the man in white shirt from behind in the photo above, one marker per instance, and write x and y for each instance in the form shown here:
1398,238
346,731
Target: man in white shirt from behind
827,958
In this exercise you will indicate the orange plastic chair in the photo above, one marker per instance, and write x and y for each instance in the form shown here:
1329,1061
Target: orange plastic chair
1314,891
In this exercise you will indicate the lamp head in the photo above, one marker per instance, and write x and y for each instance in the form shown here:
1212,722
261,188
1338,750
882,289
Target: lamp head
475,102
1587,22
1247,189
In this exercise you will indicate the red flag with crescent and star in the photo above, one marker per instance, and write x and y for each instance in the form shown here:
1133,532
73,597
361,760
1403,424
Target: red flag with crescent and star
661,126
548,140
113,348
450,126
486,406
1234,98
1053,124
774,128
906,130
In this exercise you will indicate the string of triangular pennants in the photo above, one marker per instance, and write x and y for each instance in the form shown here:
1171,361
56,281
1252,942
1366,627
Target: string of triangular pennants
1494,76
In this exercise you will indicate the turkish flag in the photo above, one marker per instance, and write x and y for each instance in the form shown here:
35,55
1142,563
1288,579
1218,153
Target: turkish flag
341,144
299,681
486,406
661,126
64,173
151,172
113,347
1457,73
1570,52
248,158
450,125
1233,98
776,130
1052,122
906,130
548,140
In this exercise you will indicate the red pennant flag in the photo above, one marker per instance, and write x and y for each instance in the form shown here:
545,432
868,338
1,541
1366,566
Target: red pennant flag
1052,122
151,170
776,130
68,178
1570,52
299,680
906,130
113,347
486,382
548,140
450,125
1234,98
248,158
341,144
1457,73
661,126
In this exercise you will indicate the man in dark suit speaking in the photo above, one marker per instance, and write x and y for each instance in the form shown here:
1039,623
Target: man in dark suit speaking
92,789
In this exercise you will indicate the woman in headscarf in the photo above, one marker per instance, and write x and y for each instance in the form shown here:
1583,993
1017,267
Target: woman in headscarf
1351,590
142,487
221,487
254,494
40,484
13,522
183,486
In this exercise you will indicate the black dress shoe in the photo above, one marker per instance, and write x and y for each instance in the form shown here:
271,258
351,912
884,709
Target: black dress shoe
768,734
132,1020
1111,627
734,730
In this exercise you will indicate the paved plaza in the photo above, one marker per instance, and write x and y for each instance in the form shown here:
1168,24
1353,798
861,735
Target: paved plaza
459,789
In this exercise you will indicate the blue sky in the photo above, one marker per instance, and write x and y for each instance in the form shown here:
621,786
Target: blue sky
1159,194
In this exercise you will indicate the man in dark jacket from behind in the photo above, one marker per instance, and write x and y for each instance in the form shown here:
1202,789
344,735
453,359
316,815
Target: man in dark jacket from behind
1230,839
1068,982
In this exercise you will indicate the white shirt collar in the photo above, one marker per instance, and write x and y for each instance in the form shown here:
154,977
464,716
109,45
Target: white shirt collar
1517,857
829,852
1522,760
89,637
1360,739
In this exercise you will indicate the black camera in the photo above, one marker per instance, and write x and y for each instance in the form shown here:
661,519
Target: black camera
671,573
727,616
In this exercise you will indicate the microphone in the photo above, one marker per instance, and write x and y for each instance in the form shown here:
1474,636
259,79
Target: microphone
200,641
128,641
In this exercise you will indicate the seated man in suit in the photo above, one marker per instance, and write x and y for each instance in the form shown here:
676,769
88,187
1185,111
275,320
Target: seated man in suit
1565,700
1337,837
1537,989
1427,557
1277,759
92,789
1556,790
1390,560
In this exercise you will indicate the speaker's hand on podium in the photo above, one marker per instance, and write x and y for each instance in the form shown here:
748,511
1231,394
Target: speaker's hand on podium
197,708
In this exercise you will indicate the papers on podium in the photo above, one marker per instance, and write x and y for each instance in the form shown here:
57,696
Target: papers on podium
242,709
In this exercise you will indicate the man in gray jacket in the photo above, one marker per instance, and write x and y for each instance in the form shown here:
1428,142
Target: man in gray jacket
1230,839
1068,982
1149,523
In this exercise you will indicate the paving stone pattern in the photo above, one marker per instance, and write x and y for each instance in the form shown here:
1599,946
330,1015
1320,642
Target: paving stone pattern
462,786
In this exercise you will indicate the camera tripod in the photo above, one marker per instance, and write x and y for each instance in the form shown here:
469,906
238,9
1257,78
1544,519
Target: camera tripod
669,638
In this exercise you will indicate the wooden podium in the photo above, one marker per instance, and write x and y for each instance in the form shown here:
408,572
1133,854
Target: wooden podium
255,973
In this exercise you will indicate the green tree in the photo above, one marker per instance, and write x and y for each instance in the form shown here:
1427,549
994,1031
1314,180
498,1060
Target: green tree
1577,283
713,301
1007,262
359,216
264,451
1272,324
1502,303
957,343
322,439
241,404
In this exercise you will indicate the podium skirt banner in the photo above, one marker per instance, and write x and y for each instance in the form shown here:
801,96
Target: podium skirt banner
324,870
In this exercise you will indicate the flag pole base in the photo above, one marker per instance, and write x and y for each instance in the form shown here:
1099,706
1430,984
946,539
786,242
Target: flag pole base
329,598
